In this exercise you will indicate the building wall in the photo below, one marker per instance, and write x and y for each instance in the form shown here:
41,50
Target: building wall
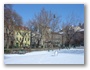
18,38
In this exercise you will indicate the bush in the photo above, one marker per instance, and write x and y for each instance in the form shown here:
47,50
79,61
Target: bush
42,46
6,51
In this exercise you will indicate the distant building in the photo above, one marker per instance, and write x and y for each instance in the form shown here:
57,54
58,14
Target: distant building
16,37
22,37
75,35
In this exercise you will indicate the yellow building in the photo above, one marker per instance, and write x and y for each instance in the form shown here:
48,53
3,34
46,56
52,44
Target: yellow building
22,37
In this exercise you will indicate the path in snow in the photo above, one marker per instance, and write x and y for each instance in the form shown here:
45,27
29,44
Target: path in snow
64,56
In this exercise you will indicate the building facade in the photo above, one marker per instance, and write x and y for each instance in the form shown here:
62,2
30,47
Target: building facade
19,36
22,37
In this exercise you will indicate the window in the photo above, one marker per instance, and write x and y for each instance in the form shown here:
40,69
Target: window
28,39
6,29
24,33
25,44
25,39
16,44
20,38
17,38
20,33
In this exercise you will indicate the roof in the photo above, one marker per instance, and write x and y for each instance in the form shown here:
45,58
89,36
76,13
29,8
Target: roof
61,32
23,28
77,28
46,27
55,33
81,30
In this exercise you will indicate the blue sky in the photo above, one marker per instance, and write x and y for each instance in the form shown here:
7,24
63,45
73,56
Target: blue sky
27,11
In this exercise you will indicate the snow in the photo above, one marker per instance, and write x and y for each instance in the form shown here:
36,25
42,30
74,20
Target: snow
81,30
61,32
63,56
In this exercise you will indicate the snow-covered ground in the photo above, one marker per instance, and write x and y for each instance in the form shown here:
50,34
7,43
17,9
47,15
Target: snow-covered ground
64,56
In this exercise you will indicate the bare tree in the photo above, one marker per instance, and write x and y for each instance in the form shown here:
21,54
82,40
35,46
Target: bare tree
43,23
69,28
23,34
11,19
55,27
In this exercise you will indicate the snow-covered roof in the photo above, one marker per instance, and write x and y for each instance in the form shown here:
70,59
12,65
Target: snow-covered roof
81,30
61,32
77,28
